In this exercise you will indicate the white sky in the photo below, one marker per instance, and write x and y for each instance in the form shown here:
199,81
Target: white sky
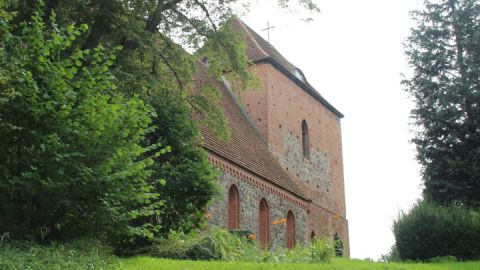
352,54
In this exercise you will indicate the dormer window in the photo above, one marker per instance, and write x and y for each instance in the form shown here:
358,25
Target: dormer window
305,143
299,75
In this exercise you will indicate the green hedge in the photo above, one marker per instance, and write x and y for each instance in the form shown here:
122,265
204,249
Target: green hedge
429,231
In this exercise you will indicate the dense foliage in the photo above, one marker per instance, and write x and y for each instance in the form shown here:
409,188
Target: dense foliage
72,155
211,244
429,231
338,245
444,52
219,244
191,178
78,255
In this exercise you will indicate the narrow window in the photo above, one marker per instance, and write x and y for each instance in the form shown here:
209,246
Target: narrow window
290,230
264,224
305,143
233,208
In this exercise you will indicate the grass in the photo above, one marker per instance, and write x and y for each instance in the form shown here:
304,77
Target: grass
79,255
149,263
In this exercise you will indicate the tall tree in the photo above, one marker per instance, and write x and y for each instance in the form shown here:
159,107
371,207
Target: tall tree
444,53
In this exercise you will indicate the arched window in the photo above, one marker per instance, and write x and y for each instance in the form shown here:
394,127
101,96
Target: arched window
313,237
305,141
290,230
264,224
233,208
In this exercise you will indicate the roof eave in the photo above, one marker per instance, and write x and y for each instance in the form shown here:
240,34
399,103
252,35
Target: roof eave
286,189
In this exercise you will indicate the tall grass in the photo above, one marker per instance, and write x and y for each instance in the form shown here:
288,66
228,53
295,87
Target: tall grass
219,244
79,255
211,244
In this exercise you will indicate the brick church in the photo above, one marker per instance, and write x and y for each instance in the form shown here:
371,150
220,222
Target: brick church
282,170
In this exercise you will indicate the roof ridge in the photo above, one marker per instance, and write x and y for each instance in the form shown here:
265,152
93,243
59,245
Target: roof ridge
247,31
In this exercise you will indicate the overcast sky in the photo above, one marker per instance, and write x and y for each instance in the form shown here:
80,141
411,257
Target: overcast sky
352,54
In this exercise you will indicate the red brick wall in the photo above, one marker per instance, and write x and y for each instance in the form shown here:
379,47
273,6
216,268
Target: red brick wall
255,102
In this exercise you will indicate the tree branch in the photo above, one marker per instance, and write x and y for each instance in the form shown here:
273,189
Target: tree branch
172,69
156,16
204,8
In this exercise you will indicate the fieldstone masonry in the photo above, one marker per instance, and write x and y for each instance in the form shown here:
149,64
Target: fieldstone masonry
314,170
250,197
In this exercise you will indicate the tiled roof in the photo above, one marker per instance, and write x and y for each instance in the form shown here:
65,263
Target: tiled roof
258,50
247,147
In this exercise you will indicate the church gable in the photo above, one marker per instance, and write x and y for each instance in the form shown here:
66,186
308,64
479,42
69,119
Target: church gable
261,51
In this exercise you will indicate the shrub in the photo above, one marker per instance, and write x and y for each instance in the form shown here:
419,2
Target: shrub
323,250
429,231
211,244
77,255
338,245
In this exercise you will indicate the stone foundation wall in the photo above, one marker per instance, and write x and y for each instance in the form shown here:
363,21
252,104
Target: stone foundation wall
250,197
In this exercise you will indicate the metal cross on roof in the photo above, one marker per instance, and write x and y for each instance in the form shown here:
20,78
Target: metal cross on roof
268,31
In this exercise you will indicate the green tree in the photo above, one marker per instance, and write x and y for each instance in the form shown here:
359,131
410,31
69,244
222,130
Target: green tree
444,53
191,178
72,162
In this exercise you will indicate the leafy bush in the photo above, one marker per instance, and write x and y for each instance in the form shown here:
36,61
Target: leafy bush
191,178
72,161
220,244
429,231
211,244
77,255
338,245
321,250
